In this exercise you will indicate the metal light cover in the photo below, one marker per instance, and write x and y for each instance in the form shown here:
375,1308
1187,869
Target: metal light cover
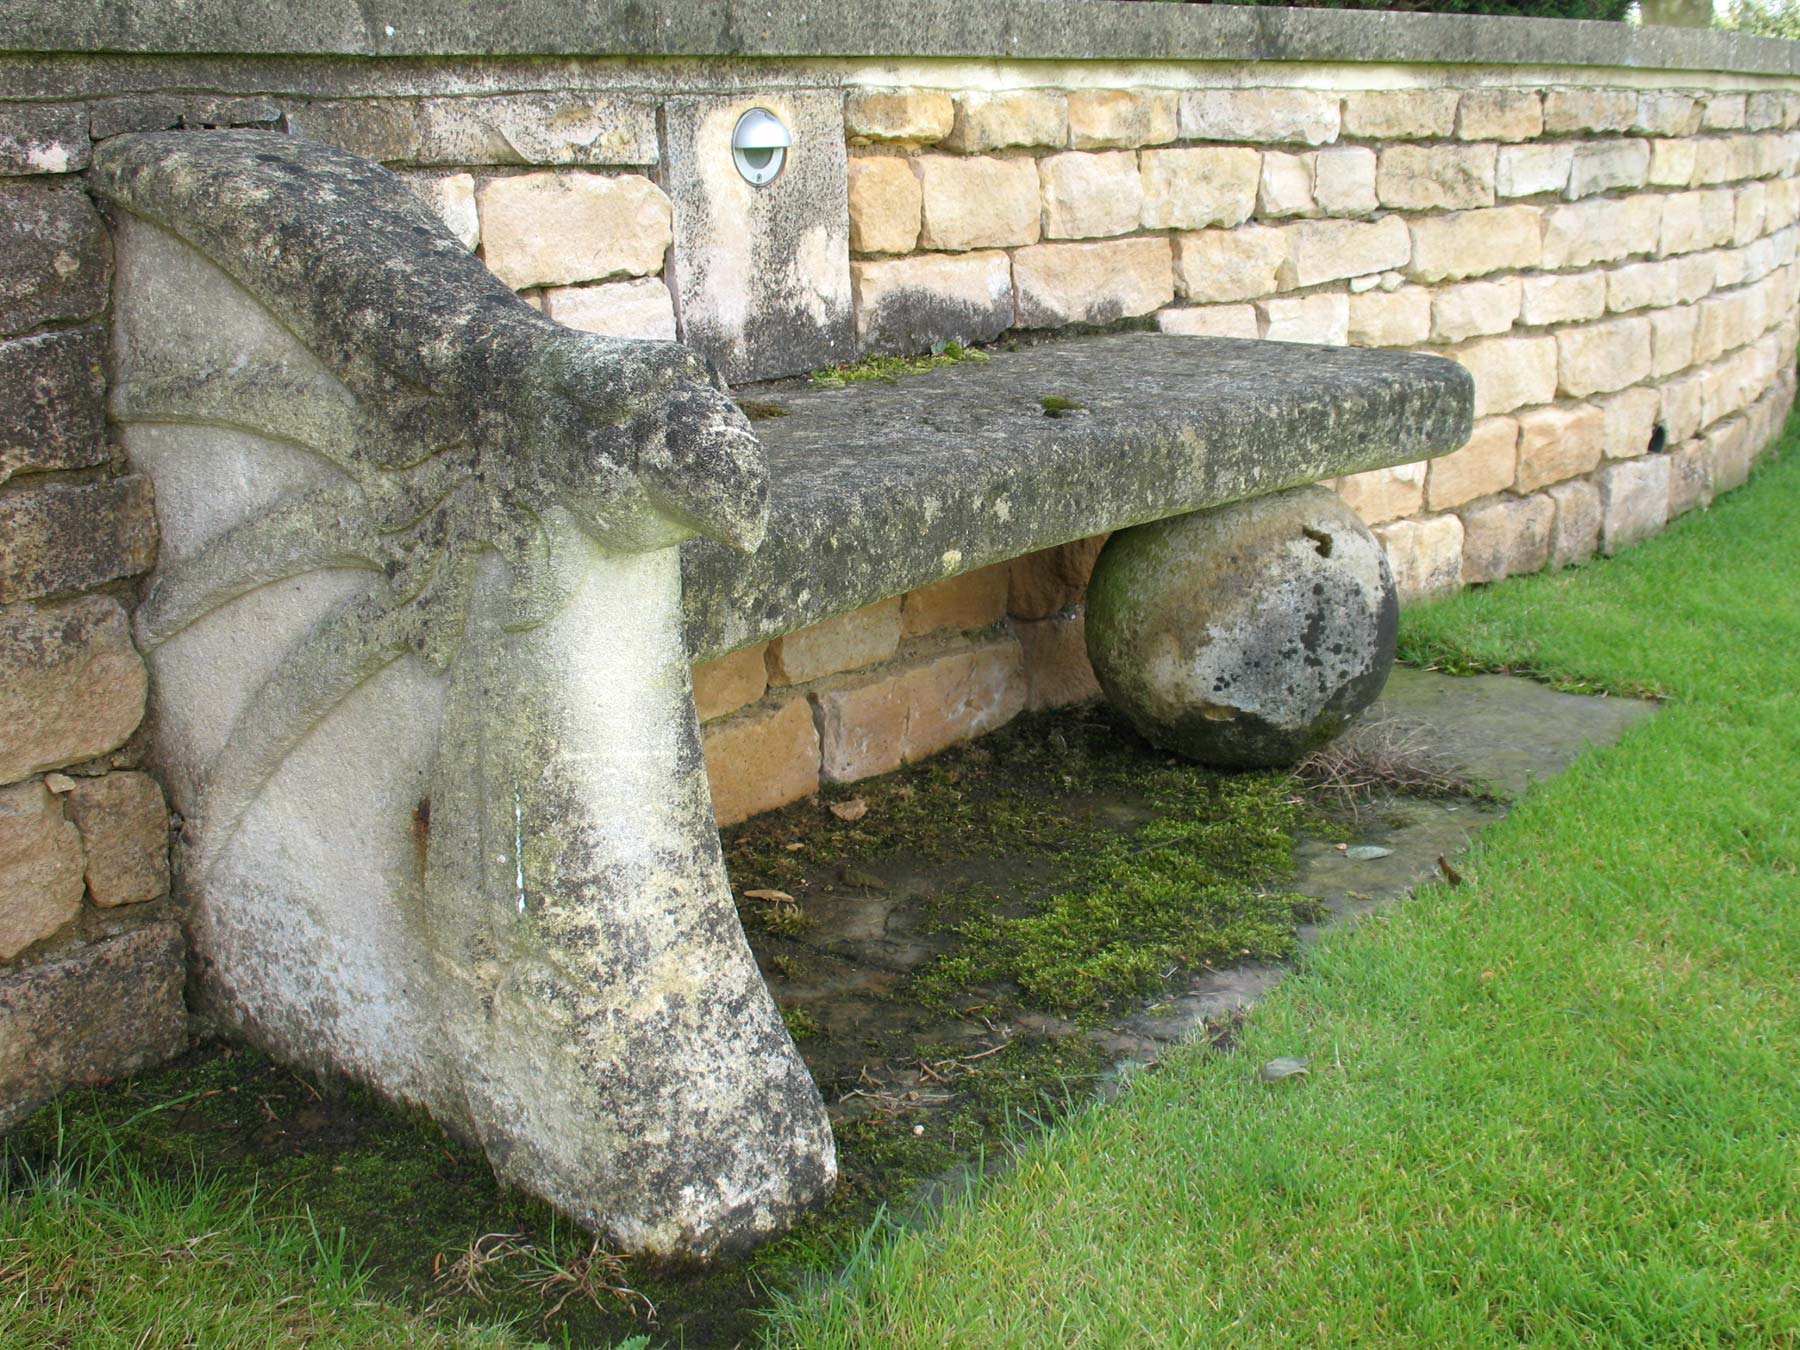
759,146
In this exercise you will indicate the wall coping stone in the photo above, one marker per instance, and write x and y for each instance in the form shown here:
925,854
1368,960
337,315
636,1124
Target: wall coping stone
990,29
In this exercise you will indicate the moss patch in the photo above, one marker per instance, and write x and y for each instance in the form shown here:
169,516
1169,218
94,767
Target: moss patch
891,368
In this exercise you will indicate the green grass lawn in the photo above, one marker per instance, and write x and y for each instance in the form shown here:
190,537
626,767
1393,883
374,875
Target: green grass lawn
1558,1104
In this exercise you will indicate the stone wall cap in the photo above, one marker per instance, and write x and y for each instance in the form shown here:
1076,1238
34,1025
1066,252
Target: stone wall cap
982,29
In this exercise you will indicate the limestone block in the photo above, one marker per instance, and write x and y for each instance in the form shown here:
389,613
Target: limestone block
548,128
863,637
885,202
385,129
1286,187
760,759
1528,170
729,682
1722,325
1672,163
52,402
1232,321
1190,189
1724,159
451,197
1328,250
55,264
1695,276
905,116
1731,447
1601,166
1690,478
1436,177
61,536
43,138
1634,501
172,112
1057,669
1558,443
1506,537
1474,243
1728,267
1509,372
1562,297
105,1011
959,604
1644,285
907,304
71,684
1584,233
1486,465
124,828
1344,180
1108,119
1752,202
1323,319
1217,265
1575,532
1381,495
1695,220
993,121
40,867
1499,115
1261,116
1589,109
1400,114
1764,110
640,308
1630,421
1601,357
1475,309
977,202
1683,406
1090,195
1058,284
550,229
1399,318
1044,583
1425,556
872,724
1665,113
1724,112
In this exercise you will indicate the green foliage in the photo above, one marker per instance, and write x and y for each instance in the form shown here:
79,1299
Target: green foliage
1763,18
1521,9
891,368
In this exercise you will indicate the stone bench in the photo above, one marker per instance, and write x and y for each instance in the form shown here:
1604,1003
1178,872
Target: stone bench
420,657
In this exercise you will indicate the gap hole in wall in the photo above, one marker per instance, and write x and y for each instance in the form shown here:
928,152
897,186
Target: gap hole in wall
1659,439
1320,540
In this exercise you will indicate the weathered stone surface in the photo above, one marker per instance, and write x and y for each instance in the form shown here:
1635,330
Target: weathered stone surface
1641,285
960,604
863,637
1690,477
105,1011
994,121
1584,233
1344,180
1558,443
551,128
1562,298
1575,533
40,868
875,723
1723,112
550,229
1683,406
1220,265
1731,447
1264,116
61,536
124,836
52,411
1630,422
905,116
1634,501
109,117
1530,170
1667,113
1090,195
1589,109
1286,186
1322,319
1398,318
1108,119
1045,583
1672,163
1486,465
1695,220
376,128
1094,283
1381,495
760,275
1724,159
640,308
1510,372
1425,556
977,202
1328,250
1190,189
1474,309
907,304
730,682
451,196
1436,177
1601,166
1246,635
761,759
71,684
1057,669
43,138
1227,321
1499,115
55,263
1598,358
1672,340
1473,243
1505,537
884,205
1400,114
